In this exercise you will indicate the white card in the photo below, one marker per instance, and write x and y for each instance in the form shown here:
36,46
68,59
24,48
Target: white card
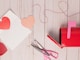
16,34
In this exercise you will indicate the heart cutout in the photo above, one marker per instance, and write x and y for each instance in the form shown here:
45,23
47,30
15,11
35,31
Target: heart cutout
28,22
5,23
63,6
3,49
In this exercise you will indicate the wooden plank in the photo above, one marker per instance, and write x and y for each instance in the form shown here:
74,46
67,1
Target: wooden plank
55,16
4,6
39,26
79,53
43,25
72,54
52,46
73,12
22,8
7,55
55,20
26,10
15,6
73,15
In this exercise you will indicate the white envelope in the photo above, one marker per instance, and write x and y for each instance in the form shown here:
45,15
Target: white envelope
16,34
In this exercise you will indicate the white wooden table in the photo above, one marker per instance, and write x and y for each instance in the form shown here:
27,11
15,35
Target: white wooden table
49,16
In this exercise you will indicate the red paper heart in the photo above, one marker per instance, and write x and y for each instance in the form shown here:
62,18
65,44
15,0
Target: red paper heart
3,49
5,23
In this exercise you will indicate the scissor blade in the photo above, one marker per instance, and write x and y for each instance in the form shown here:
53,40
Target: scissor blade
40,50
39,47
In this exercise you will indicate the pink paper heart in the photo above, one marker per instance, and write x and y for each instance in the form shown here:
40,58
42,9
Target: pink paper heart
28,22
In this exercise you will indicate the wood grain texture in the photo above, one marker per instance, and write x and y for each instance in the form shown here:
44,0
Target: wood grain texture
39,26
3,9
55,20
49,15
73,13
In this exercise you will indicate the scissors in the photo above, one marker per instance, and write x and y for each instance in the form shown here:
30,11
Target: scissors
47,53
